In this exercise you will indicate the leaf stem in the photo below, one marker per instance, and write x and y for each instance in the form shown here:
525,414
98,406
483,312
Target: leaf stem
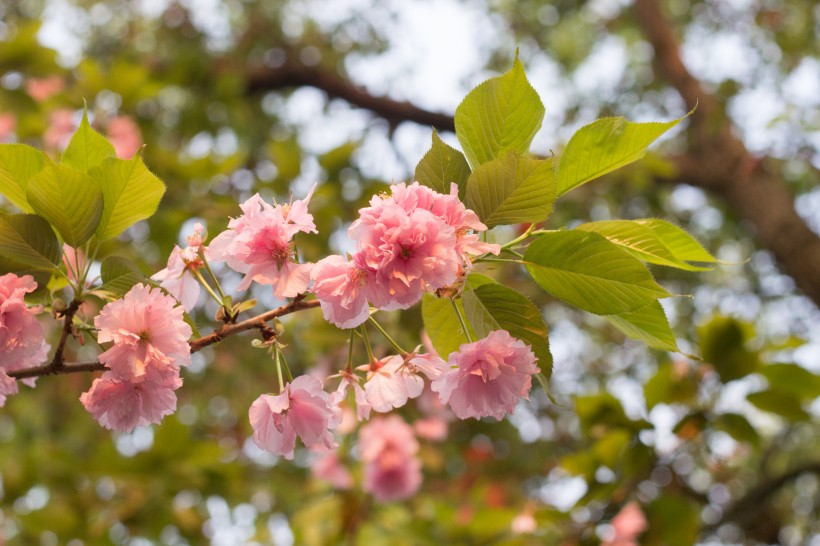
367,344
462,321
208,288
387,336
278,368
211,275
349,367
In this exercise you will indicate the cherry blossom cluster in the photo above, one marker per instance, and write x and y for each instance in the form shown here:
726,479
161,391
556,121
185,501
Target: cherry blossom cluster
22,343
411,241
150,344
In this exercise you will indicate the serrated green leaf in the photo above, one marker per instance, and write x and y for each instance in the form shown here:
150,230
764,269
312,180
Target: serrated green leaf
441,166
119,274
647,324
442,325
87,148
639,239
501,114
587,271
682,245
512,189
70,200
603,146
130,193
738,427
780,403
18,163
28,239
491,306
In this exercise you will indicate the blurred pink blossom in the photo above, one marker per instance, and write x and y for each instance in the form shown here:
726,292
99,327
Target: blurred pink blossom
302,409
124,134
489,378
327,467
42,89
392,470
8,123
627,525
60,129
432,428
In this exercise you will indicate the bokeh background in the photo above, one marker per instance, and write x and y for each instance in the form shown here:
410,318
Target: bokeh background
233,97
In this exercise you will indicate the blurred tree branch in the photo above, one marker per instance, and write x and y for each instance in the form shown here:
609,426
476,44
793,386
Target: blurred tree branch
717,160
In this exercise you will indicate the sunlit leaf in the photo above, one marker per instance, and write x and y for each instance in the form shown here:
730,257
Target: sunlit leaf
29,240
639,238
87,148
503,113
512,189
442,325
131,193
586,270
647,324
441,166
18,163
70,200
603,146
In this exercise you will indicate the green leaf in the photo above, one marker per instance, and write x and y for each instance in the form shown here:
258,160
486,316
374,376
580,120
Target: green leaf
41,276
647,324
638,237
18,163
682,245
603,146
779,402
511,190
87,148
793,379
738,427
501,114
491,306
70,200
119,274
442,325
28,239
441,166
587,271
723,344
130,193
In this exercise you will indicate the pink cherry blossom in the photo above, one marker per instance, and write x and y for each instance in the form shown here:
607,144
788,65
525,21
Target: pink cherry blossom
489,378
258,243
392,470
627,525
409,252
149,334
22,343
329,468
122,405
351,381
390,384
340,288
124,134
432,428
302,409
178,277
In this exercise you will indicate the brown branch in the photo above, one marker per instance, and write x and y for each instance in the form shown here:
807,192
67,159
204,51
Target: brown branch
291,74
57,366
749,505
720,163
